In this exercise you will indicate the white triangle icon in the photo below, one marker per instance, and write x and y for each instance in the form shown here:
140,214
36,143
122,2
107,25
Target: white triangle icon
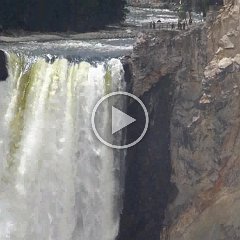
120,120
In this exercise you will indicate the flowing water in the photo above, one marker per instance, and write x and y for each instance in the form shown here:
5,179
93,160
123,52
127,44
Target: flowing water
57,181
74,50
139,16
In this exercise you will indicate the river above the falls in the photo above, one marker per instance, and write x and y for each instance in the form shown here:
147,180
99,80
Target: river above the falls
114,41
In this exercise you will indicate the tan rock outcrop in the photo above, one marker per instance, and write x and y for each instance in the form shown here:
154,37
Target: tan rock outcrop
206,171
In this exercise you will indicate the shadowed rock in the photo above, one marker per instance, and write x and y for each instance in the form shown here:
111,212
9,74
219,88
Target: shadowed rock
3,66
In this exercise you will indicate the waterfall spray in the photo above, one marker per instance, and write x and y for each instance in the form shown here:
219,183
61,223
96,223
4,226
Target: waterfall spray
57,179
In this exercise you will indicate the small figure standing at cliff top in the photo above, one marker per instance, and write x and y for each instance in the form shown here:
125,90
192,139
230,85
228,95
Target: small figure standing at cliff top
154,25
173,26
151,25
179,25
184,26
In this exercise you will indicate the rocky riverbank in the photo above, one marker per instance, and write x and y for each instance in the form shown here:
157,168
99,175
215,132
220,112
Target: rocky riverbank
183,181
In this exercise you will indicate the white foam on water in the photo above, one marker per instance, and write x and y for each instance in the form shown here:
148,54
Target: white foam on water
57,180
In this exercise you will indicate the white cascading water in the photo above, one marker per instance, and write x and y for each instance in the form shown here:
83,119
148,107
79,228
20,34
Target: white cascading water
57,181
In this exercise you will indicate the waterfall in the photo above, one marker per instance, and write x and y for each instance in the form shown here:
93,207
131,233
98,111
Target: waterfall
57,181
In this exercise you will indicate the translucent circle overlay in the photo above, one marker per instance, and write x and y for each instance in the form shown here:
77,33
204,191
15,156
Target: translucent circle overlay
127,145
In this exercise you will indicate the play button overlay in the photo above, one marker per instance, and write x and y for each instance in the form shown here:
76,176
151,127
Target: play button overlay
120,120
111,121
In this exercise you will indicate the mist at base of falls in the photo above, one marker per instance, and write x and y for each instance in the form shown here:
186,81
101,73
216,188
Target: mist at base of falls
57,181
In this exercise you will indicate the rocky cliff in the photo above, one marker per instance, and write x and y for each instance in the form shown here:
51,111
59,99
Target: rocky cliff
188,166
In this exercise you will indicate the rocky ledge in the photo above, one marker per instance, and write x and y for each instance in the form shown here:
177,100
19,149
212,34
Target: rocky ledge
188,166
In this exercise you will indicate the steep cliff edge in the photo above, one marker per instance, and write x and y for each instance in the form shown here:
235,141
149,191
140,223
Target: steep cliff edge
203,68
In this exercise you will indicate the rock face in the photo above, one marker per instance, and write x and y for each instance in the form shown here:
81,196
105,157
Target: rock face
3,68
168,71
149,169
201,190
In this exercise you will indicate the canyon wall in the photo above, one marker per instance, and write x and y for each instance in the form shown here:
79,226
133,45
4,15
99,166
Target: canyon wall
187,184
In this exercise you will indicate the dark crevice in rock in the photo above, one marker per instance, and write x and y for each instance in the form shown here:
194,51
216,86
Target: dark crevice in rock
147,186
3,66
128,72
